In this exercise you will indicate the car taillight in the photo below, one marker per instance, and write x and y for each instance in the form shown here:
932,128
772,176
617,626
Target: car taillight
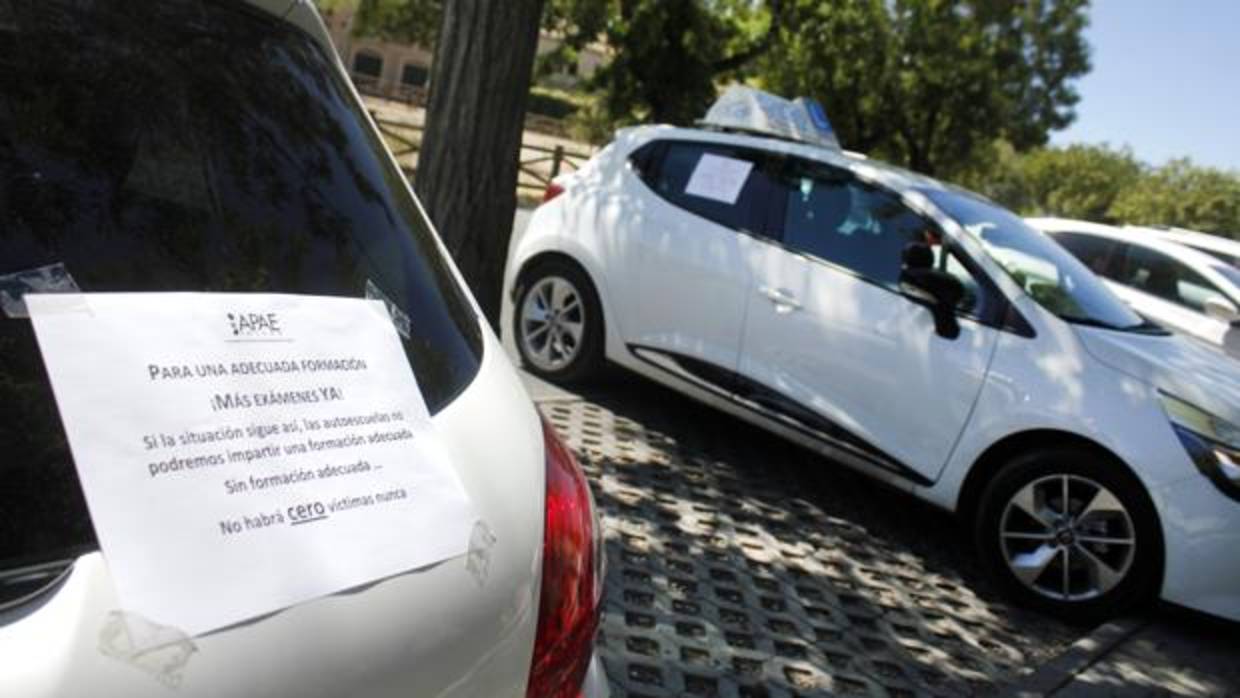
553,190
572,578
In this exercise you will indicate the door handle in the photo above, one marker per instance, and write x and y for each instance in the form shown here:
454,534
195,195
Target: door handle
784,301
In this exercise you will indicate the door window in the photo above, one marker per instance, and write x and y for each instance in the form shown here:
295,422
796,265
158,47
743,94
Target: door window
1164,277
1100,254
669,168
864,229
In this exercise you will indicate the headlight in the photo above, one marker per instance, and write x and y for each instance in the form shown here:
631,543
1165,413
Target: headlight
1213,444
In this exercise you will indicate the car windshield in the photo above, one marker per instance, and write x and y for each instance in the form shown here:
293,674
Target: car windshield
187,145
1047,272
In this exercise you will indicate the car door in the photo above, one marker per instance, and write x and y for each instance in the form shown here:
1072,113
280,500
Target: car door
703,200
1169,291
831,342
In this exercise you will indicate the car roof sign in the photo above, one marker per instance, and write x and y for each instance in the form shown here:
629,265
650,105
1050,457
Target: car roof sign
749,110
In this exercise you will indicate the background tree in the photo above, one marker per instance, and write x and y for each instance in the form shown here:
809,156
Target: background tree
411,21
1183,195
468,164
667,55
1079,181
929,82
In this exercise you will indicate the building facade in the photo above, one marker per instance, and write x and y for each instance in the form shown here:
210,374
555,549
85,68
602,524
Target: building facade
402,71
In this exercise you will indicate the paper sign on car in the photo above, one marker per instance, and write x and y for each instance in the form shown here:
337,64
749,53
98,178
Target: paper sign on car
241,453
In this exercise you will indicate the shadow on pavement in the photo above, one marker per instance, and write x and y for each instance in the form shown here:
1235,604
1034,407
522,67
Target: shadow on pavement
742,565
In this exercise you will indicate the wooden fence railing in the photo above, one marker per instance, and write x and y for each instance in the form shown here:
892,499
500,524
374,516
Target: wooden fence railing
539,164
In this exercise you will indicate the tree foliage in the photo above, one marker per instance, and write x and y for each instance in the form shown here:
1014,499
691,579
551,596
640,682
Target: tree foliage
412,21
1184,195
1106,185
1079,181
925,83
928,82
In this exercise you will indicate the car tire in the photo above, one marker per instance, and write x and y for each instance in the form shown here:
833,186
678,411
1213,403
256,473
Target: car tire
558,322
1108,535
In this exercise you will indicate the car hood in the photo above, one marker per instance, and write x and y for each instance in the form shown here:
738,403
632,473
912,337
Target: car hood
1175,365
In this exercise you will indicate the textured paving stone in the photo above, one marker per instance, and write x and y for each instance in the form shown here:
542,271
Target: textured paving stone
741,566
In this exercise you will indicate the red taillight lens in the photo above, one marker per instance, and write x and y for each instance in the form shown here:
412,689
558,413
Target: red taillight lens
553,190
568,609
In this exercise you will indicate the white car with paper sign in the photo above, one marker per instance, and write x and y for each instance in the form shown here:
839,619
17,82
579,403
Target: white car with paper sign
257,439
903,327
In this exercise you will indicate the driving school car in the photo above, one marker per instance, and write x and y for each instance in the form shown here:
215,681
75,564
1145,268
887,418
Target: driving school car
197,179
903,327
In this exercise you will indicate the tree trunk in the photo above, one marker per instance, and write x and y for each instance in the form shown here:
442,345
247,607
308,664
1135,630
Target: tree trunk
467,167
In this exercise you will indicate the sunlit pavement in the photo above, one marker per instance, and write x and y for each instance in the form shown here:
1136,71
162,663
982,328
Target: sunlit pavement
739,565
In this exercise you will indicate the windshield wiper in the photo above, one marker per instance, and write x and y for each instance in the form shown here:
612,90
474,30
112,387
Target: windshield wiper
1143,327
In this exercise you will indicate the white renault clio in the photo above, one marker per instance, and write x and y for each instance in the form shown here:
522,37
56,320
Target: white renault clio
215,146
906,328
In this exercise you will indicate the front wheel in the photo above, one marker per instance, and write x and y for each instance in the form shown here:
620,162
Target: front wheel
558,322
1071,533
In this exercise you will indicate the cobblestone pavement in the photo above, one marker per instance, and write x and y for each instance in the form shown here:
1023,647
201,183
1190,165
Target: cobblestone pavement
742,566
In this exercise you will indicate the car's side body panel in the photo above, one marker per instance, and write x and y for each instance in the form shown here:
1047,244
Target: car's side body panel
1051,382
830,341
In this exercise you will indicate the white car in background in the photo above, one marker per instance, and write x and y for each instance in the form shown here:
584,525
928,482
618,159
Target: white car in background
186,145
1175,285
1221,248
903,327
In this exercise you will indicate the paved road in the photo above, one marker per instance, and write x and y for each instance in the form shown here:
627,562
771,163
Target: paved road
1169,653
739,565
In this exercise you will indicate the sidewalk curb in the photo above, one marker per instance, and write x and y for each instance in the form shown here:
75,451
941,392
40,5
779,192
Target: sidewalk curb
1078,657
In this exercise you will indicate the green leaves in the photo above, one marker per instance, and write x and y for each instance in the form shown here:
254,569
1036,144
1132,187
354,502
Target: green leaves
929,82
1099,183
1184,195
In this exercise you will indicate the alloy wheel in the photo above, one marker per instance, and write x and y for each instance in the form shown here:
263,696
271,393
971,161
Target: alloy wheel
1067,538
553,321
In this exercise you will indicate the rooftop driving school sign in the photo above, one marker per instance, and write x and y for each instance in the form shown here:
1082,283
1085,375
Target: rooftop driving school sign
244,453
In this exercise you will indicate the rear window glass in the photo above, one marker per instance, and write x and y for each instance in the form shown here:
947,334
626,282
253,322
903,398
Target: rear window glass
188,146
667,167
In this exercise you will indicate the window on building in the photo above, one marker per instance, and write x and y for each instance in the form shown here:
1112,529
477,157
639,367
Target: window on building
368,64
414,75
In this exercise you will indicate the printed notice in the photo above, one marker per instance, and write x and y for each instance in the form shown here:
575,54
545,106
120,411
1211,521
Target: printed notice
719,178
243,453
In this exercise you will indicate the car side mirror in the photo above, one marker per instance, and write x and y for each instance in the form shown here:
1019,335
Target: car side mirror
935,288
1221,309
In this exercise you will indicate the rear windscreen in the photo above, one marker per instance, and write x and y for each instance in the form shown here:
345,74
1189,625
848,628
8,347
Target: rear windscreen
187,146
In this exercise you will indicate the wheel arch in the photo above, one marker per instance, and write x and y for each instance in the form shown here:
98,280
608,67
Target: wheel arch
992,459
988,465
545,256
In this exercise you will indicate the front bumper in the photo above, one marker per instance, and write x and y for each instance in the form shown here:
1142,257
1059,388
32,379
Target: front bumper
1201,532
